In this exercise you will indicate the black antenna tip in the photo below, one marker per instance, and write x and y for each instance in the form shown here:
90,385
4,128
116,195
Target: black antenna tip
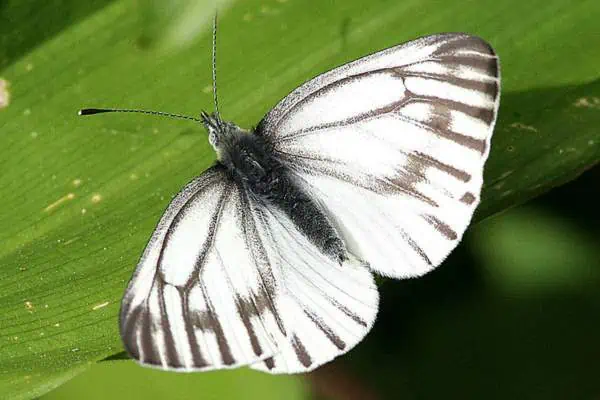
90,111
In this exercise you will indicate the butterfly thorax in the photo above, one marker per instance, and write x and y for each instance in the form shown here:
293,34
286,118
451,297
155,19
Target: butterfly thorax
251,163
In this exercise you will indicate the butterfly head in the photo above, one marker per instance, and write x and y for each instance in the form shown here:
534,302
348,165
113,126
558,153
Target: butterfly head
214,126
222,135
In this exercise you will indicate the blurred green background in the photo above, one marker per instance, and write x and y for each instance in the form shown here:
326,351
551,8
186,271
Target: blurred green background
513,313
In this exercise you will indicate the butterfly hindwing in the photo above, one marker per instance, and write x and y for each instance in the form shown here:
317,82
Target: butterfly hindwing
328,307
228,280
393,145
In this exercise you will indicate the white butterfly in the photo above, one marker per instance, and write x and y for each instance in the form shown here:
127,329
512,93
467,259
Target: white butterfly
265,260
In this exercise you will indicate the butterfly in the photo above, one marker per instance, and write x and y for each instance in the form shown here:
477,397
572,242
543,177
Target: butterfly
266,259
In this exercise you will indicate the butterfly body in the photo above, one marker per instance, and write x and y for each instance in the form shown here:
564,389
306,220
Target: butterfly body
249,160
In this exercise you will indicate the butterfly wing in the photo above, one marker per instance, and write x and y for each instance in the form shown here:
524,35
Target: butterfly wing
393,145
185,308
327,308
227,281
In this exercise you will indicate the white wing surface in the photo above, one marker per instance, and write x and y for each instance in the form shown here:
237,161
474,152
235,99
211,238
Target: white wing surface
226,281
393,145
328,308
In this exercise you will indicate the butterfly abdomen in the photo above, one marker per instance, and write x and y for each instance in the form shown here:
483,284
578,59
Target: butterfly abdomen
251,164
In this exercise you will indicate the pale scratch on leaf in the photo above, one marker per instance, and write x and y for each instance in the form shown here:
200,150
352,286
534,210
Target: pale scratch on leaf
70,241
101,305
69,196
523,127
4,94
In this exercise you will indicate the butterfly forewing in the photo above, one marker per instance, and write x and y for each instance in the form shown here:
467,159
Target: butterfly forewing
394,146
197,300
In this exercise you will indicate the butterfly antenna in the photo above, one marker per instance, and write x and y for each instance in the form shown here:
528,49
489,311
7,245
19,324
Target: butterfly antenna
214,66
91,111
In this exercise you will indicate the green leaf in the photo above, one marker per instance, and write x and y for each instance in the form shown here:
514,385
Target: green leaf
512,309
535,149
129,381
550,255
80,197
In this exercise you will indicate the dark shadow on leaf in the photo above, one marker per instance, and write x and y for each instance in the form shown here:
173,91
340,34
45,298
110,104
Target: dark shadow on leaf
28,24
543,138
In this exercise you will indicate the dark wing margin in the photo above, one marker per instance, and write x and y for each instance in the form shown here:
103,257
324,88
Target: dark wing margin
455,52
